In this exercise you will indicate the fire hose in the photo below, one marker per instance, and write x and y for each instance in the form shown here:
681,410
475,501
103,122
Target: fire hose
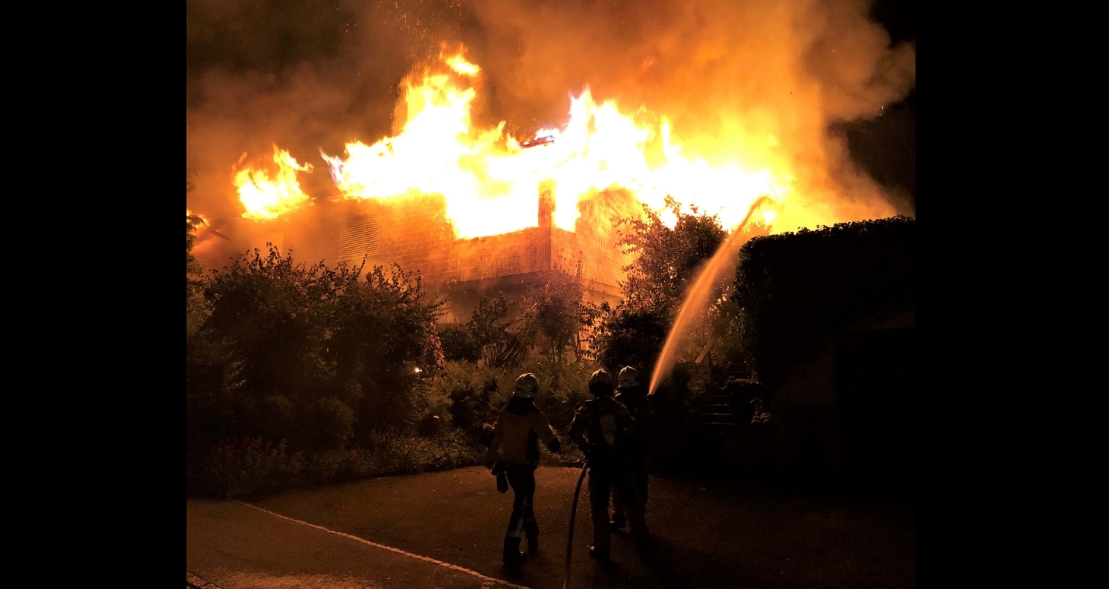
573,515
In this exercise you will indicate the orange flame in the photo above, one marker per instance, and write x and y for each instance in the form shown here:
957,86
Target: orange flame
268,198
458,63
490,182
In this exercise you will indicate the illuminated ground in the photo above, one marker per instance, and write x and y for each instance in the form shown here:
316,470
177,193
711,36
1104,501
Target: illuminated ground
709,533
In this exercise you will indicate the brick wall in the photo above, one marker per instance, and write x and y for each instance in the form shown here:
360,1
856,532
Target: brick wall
414,232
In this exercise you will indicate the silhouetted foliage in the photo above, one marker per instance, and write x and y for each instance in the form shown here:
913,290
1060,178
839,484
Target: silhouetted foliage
194,270
194,278
458,343
472,395
313,355
501,342
628,336
667,260
795,289
556,314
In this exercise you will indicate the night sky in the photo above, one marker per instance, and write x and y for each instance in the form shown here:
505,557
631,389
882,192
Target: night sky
886,146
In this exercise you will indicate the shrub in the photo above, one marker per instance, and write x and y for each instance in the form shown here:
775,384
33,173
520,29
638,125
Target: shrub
241,467
473,396
316,356
794,289
458,344
476,394
237,468
666,262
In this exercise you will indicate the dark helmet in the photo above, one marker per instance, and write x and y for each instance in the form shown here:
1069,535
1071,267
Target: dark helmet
629,378
600,383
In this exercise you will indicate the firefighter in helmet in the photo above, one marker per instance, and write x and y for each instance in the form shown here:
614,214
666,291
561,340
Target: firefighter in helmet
602,428
513,458
632,396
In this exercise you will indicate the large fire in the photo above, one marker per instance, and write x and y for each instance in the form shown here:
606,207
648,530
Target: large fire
265,197
490,180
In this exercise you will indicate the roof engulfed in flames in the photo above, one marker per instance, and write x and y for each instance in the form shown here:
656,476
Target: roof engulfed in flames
265,197
490,180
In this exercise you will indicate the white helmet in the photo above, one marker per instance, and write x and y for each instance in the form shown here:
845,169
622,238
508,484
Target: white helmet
629,377
526,386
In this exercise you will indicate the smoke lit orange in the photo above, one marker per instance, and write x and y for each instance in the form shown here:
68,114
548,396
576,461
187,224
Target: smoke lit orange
490,181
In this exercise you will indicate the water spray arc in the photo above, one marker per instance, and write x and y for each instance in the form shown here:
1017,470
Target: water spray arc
698,295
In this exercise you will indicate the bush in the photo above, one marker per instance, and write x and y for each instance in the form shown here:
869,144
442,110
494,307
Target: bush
562,387
238,468
316,356
794,289
475,395
458,344
628,336
555,314
666,262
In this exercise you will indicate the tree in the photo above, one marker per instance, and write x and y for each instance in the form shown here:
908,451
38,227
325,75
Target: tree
666,261
194,301
556,313
194,270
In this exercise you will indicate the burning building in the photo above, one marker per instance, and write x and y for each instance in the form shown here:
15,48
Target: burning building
416,234
477,211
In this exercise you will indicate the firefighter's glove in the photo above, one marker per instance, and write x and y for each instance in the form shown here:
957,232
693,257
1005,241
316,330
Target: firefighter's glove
554,445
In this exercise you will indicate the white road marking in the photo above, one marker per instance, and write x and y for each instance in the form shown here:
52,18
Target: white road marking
389,548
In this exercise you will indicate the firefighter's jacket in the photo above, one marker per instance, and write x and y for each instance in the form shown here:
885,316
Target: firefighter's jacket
603,429
516,435
639,405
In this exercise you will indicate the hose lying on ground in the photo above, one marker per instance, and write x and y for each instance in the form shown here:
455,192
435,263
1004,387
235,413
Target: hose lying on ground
570,536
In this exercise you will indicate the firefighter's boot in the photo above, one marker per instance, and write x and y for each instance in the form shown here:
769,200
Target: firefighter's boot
512,557
531,530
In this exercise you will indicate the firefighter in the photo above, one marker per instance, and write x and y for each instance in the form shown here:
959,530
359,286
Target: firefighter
632,396
602,428
513,458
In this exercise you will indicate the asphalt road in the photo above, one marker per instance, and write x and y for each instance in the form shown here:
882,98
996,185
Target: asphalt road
445,530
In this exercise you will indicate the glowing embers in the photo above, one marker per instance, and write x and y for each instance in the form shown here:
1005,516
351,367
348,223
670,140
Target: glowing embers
266,197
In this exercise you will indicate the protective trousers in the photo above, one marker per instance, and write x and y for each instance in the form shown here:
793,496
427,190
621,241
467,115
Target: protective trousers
521,478
640,478
603,480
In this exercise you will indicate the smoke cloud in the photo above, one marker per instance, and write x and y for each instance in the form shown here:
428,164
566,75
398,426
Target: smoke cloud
758,80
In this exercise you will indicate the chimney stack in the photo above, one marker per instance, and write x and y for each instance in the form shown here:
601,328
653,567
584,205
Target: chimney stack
546,203
546,221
